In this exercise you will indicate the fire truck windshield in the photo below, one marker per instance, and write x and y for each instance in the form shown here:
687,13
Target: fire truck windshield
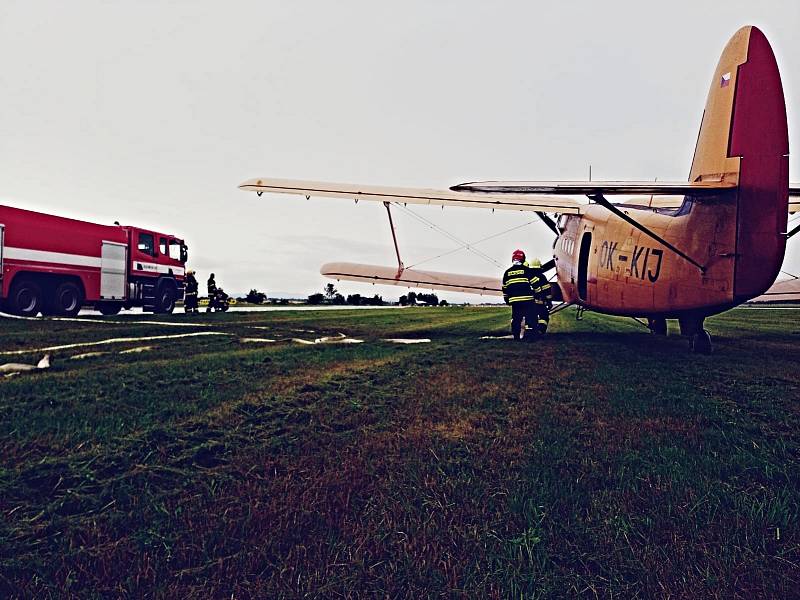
177,250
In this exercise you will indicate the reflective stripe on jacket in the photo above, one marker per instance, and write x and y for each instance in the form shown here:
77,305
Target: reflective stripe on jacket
517,284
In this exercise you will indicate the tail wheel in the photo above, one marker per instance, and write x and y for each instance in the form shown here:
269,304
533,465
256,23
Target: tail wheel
25,298
67,299
165,299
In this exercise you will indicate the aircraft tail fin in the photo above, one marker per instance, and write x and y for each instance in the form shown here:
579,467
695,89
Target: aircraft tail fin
744,138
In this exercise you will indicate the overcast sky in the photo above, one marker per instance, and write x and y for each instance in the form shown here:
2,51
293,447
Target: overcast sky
152,113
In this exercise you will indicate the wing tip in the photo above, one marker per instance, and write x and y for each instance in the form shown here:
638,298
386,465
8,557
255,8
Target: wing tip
251,184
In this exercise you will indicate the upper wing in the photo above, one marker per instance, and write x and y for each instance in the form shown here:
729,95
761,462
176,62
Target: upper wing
794,197
656,188
414,195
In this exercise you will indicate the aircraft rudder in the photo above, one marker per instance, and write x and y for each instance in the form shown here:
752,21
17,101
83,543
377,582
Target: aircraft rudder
744,139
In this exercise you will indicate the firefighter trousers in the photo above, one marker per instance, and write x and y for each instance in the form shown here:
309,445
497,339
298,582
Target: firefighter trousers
543,317
526,310
190,301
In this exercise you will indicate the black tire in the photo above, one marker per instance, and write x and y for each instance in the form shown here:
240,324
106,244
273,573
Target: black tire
67,299
165,299
25,298
657,325
701,343
109,308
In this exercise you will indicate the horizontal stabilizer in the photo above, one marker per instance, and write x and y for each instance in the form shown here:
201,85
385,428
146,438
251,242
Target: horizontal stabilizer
451,282
413,195
588,188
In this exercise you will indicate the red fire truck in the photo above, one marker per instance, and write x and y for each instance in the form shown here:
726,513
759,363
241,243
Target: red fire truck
54,265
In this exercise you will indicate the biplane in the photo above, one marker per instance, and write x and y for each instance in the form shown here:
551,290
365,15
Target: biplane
683,250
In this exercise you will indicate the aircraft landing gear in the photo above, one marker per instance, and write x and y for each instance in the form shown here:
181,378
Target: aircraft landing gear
699,338
657,325
700,342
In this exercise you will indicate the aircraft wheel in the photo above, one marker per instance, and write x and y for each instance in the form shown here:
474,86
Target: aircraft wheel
657,326
701,342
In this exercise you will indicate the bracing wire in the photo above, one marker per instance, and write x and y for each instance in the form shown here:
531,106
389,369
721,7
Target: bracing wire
449,235
468,246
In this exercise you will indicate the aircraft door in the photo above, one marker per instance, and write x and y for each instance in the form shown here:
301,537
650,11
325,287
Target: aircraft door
583,266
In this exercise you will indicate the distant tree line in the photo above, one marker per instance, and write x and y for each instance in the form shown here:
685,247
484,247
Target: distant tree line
256,297
331,296
413,299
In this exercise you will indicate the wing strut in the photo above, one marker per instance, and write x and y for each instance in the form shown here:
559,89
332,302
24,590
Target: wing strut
792,232
549,222
606,204
400,266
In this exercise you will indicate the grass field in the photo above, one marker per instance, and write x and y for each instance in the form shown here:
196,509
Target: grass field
600,461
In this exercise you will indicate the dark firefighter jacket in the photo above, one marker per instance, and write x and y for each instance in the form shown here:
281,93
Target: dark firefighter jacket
518,285
191,285
542,289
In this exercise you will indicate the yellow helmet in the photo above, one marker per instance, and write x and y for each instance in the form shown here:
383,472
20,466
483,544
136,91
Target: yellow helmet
536,263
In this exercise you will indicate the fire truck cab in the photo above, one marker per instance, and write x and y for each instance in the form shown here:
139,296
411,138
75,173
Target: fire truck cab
54,266
156,269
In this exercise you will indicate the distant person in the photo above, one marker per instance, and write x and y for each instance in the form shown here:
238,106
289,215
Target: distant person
212,292
542,295
518,292
190,293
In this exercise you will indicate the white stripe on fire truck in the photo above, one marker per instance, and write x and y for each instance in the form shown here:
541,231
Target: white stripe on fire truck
11,253
141,265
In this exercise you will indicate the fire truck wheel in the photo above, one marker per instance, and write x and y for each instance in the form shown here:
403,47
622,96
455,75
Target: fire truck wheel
25,298
67,299
165,299
109,308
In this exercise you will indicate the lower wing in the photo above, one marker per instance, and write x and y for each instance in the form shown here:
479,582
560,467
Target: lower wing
787,290
432,280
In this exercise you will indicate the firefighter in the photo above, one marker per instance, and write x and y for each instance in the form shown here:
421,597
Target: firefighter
517,292
212,292
190,293
542,295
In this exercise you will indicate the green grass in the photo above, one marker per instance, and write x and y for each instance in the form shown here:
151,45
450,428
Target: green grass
601,461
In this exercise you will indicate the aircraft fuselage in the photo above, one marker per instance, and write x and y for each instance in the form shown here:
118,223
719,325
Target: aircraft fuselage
607,265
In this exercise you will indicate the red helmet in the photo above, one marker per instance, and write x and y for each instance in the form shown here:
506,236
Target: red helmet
518,255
